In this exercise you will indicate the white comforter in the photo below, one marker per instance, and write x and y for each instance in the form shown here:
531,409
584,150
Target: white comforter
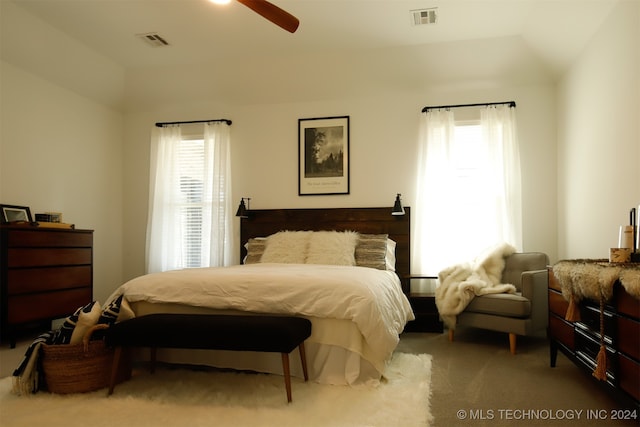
372,299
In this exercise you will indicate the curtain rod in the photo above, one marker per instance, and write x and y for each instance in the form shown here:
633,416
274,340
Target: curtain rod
486,104
161,124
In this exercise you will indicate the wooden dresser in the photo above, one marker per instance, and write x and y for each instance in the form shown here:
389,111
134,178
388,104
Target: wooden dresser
46,274
580,340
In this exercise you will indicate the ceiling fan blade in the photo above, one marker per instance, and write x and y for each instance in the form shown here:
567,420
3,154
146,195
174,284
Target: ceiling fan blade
273,13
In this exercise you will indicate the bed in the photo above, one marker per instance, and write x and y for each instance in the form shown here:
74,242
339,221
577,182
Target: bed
300,262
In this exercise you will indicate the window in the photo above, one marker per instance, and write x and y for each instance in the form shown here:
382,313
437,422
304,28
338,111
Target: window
474,187
468,195
468,157
193,203
190,212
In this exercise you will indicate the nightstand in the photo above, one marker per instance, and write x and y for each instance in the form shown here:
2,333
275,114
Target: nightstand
421,293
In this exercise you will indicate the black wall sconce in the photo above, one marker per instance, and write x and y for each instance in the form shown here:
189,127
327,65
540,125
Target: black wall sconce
398,209
243,210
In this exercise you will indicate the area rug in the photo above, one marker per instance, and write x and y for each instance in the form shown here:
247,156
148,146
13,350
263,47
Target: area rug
185,397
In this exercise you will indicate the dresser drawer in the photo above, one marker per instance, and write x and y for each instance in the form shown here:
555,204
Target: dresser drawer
47,273
29,280
24,257
626,304
629,378
587,350
590,323
49,238
553,282
562,331
629,337
557,303
46,305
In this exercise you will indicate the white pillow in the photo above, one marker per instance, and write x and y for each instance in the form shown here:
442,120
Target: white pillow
332,248
85,321
288,247
390,258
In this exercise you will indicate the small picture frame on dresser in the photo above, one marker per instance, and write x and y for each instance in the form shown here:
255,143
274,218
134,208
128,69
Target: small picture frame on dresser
12,213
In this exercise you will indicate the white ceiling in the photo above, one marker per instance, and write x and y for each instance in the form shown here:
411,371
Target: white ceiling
200,32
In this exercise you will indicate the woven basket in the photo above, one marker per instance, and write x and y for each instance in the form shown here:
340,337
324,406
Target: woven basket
79,368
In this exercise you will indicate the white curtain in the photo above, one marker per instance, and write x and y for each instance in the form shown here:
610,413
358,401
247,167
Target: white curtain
500,136
217,139
432,239
170,223
162,252
454,219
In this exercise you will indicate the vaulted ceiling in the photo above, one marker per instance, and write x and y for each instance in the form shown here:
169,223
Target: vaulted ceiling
489,39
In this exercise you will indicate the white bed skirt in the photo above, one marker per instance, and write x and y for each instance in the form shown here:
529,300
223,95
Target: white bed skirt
336,353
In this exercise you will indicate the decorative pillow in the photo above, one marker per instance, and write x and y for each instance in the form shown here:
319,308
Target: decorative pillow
116,311
74,326
332,248
289,247
371,251
126,312
109,315
390,258
63,334
255,249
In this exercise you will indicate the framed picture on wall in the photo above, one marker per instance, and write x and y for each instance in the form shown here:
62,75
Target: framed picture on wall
11,213
323,156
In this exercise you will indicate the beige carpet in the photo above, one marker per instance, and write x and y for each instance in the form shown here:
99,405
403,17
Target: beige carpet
180,397
477,382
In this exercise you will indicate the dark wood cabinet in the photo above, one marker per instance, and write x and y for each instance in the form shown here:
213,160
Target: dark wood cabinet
618,328
46,274
423,303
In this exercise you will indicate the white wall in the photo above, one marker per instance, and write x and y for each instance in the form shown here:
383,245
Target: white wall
62,152
79,156
383,138
61,134
599,138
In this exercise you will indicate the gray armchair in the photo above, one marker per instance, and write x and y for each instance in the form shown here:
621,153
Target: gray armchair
522,313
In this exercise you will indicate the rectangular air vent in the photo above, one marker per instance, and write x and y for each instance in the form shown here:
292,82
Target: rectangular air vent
424,16
153,39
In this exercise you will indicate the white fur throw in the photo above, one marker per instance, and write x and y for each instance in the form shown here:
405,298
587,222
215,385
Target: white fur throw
288,247
332,248
460,283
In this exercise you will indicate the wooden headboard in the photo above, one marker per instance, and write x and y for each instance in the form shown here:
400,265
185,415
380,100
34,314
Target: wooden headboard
264,222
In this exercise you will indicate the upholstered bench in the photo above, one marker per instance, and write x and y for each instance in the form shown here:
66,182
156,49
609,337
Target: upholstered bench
261,333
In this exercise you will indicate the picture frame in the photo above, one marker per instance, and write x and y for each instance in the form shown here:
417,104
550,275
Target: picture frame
52,217
323,156
13,213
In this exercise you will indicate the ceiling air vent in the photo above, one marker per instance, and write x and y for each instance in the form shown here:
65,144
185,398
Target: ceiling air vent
153,39
424,16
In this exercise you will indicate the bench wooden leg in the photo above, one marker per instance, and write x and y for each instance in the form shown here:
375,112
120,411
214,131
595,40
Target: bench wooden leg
287,375
114,369
303,357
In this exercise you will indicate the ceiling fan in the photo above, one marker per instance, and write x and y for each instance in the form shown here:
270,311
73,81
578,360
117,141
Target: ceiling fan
273,13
